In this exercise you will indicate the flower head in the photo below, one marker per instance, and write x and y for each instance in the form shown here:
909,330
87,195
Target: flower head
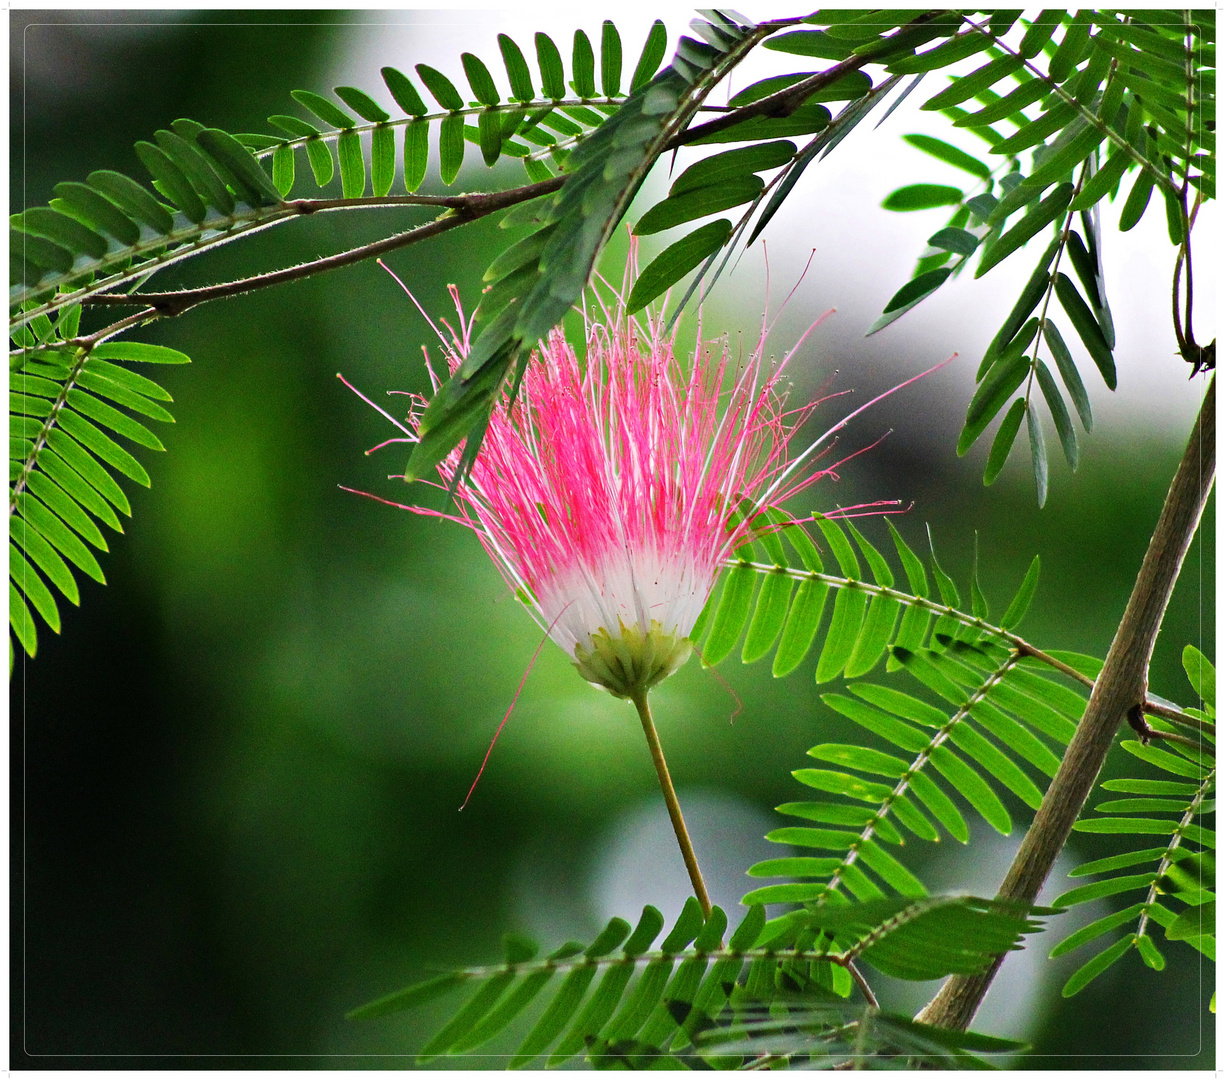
614,486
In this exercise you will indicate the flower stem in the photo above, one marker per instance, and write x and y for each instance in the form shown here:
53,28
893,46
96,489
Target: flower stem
674,807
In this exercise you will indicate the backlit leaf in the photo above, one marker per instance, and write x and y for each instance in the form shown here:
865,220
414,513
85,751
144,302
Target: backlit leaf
441,87
483,87
1090,971
552,74
768,617
653,50
731,614
610,59
840,638
352,167
951,155
404,92
450,147
1086,327
801,626
416,153
1037,451
675,261
326,110
1001,445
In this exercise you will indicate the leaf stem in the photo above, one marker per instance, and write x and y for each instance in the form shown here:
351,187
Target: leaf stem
674,806
1023,647
862,983
1121,687
1175,843
83,346
1159,178
1177,716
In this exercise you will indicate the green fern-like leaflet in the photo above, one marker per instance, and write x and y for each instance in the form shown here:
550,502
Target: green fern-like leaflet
696,1001
984,721
66,408
1177,877
1108,93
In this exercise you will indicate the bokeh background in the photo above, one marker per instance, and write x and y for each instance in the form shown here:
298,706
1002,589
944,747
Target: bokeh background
236,773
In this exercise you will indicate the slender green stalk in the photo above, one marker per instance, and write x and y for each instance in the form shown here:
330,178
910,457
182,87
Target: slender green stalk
674,806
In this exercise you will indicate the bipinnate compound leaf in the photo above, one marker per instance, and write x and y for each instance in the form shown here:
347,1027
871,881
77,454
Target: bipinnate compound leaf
615,1004
59,462
1176,874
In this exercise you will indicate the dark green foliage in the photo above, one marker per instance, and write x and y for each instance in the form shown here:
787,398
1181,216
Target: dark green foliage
57,467
213,182
1180,871
699,1003
997,720
1114,91
219,189
675,261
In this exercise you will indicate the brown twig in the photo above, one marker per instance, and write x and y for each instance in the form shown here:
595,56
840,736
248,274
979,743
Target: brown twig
463,209
472,206
862,983
1177,716
1120,688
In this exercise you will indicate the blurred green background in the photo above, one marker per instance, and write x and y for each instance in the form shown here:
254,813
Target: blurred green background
237,770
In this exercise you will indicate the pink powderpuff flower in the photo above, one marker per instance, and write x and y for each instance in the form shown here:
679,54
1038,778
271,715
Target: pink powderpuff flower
613,488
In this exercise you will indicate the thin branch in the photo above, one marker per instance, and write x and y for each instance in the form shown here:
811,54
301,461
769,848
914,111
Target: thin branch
1121,688
108,332
463,209
1172,736
862,983
1177,716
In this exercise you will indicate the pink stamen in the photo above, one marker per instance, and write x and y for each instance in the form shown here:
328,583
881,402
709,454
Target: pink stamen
726,686
372,405
611,492
485,761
